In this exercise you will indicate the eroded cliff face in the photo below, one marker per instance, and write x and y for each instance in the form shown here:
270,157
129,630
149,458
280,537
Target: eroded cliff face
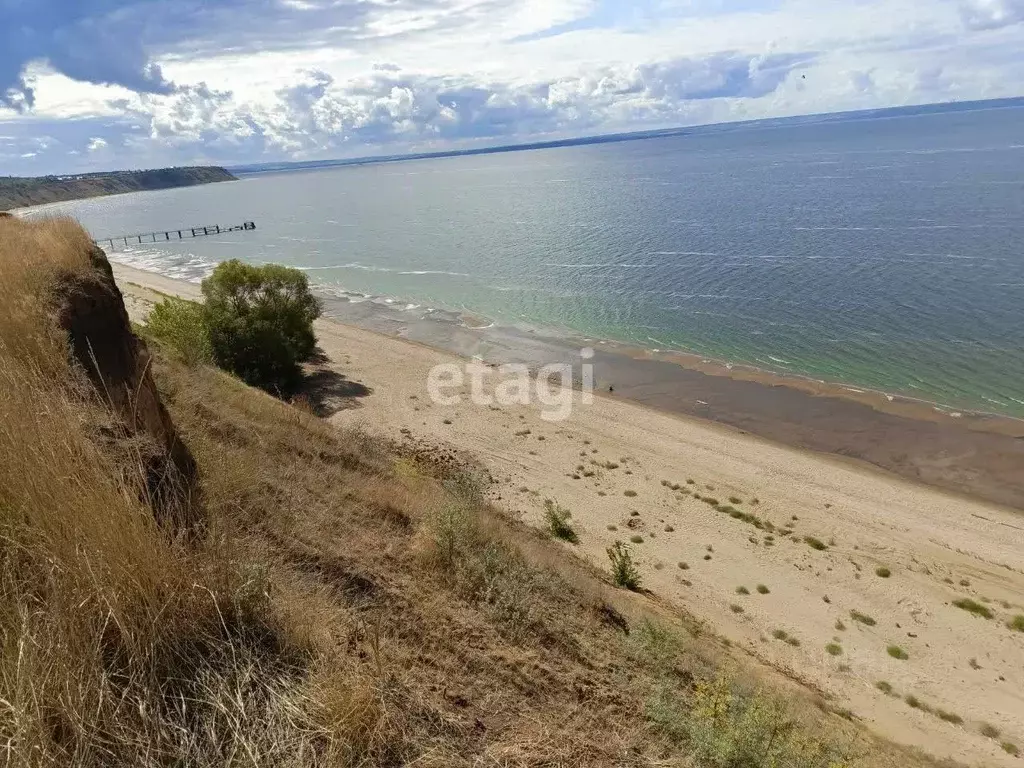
90,308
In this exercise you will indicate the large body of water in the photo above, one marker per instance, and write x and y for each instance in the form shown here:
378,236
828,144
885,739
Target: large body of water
884,253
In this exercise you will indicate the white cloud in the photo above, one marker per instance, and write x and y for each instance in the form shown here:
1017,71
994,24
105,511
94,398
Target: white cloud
321,78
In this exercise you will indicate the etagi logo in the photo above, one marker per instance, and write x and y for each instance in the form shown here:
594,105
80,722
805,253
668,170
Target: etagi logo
514,384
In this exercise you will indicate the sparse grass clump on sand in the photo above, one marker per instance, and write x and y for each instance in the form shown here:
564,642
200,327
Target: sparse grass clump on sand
1010,748
897,653
624,570
949,717
1016,623
834,649
559,524
814,543
762,589
885,687
973,606
883,572
629,494
637,539
862,618
989,731
736,608
742,591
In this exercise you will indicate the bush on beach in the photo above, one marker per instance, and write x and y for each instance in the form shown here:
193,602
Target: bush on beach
256,322
260,321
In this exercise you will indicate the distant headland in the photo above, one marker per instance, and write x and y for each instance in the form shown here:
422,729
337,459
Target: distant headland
21,192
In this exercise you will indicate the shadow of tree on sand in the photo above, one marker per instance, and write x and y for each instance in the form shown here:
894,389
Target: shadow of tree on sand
327,391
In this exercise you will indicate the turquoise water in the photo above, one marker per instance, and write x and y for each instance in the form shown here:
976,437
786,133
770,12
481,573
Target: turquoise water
883,253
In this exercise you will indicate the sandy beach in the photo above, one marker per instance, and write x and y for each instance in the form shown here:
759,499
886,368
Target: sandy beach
835,573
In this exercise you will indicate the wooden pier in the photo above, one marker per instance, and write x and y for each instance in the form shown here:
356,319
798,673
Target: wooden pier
169,235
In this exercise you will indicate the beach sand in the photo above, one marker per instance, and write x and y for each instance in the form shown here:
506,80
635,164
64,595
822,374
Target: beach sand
939,546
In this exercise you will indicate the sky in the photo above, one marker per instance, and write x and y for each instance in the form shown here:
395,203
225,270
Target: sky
102,84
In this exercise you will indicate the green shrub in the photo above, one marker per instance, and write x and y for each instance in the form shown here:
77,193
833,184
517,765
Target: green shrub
558,522
762,589
883,572
1010,748
260,321
624,571
884,687
742,591
1016,623
724,727
814,543
181,325
834,649
973,606
636,538
863,618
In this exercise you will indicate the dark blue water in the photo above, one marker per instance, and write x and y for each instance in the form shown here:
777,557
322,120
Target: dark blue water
883,253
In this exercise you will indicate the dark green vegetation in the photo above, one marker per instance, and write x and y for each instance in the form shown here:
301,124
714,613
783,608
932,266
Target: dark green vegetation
22,192
256,322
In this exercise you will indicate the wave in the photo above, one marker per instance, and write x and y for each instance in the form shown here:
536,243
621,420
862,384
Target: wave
179,266
684,253
372,268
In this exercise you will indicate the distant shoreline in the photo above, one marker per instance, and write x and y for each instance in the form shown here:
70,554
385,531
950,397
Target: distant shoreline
17,194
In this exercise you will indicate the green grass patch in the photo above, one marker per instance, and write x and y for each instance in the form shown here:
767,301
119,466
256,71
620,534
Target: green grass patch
1016,623
883,572
762,589
814,543
885,687
973,606
862,618
897,653
834,649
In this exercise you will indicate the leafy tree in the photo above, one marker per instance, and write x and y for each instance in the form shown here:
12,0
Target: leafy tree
260,323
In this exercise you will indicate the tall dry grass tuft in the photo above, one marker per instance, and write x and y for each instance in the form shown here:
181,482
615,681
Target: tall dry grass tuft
117,646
